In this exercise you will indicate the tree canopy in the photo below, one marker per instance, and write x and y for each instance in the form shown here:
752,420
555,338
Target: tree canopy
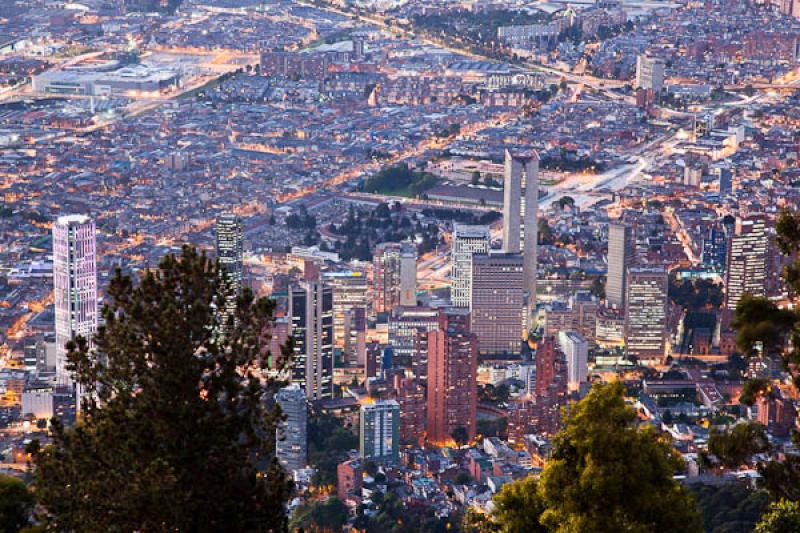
16,504
605,474
177,430
736,445
782,517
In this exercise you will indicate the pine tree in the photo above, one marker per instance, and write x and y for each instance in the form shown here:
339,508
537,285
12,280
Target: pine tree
177,430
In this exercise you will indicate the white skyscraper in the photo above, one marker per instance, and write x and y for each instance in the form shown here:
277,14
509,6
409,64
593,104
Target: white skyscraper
620,257
520,221
74,285
311,315
292,433
576,349
646,313
746,264
649,73
467,241
379,430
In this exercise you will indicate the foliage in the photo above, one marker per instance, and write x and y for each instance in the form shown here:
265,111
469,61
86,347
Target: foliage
177,430
730,508
569,161
519,507
598,288
565,201
608,474
301,220
460,435
492,427
363,230
462,215
736,445
400,180
782,517
695,294
328,445
752,389
319,515
761,327
391,515
779,478
16,504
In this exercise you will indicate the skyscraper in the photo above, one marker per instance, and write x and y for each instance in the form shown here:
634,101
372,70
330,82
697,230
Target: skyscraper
379,430
292,433
74,285
520,221
394,275
550,392
576,350
350,301
650,73
311,315
230,253
715,248
646,313
498,303
620,257
467,241
404,323
452,373
746,266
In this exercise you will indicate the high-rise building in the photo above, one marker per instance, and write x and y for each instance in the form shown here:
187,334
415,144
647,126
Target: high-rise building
498,302
550,392
621,251
311,315
646,313
404,324
350,302
410,395
520,220
725,180
394,275
230,253
292,433
467,241
650,73
452,373
379,430
715,248
746,266
576,350
74,285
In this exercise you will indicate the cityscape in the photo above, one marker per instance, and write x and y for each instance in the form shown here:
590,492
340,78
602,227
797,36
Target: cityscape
474,227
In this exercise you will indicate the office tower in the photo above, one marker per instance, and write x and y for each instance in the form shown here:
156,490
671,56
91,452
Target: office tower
74,285
621,253
419,355
311,315
467,241
379,430
452,373
410,395
350,301
746,266
557,317
646,313
498,303
372,363
292,433
230,253
394,275
715,249
649,73
576,350
584,310
724,181
520,221
404,322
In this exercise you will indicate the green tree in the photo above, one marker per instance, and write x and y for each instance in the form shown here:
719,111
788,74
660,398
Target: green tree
519,507
736,445
320,515
476,178
460,435
177,430
607,474
782,517
729,508
779,478
16,504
